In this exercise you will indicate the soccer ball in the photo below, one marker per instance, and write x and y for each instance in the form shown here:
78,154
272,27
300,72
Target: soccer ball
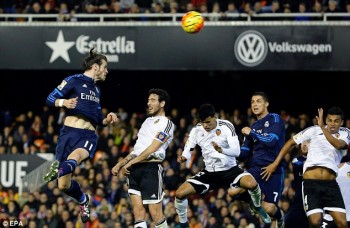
192,22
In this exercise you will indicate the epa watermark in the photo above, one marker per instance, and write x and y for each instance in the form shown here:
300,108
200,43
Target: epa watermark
11,223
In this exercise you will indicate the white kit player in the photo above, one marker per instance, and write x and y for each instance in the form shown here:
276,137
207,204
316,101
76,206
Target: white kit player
343,180
327,146
143,166
220,147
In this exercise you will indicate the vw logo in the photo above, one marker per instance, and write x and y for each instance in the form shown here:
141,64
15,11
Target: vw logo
250,48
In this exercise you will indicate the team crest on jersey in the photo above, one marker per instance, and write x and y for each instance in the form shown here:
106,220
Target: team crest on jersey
155,122
218,132
337,135
266,124
348,174
62,85
162,136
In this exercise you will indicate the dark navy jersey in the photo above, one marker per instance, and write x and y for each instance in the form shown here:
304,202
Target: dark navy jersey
298,163
296,216
265,141
88,94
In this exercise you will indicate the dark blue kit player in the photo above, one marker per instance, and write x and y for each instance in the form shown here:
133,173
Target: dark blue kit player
80,96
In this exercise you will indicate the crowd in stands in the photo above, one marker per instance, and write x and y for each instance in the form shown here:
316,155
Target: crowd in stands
219,10
32,133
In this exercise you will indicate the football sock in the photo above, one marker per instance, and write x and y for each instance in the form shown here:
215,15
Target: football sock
278,214
162,224
181,209
75,192
256,196
140,224
67,167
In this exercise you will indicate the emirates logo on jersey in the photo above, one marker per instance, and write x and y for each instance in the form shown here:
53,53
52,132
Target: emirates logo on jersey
218,132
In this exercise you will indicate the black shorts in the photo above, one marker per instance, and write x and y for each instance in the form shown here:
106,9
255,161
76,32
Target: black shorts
146,180
71,138
319,195
205,181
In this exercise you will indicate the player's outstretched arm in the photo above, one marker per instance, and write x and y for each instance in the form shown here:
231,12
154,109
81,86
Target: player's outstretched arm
270,169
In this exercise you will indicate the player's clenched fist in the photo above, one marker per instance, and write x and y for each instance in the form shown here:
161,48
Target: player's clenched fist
115,170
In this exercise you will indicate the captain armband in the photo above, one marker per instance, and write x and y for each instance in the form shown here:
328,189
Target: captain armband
161,136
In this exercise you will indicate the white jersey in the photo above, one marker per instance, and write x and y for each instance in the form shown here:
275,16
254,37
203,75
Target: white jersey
154,128
224,135
321,152
343,180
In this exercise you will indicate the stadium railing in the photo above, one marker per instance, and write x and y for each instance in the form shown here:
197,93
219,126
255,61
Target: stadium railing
142,17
